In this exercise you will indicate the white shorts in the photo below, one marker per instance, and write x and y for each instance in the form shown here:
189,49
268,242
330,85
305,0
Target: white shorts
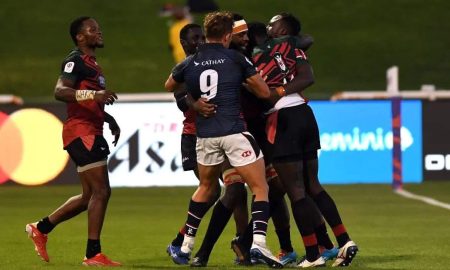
241,149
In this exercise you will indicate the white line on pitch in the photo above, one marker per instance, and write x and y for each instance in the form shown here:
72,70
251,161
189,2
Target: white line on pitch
424,199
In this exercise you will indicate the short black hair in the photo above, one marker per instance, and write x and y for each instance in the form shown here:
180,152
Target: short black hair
75,27
292,24
256,29
237,17
185,30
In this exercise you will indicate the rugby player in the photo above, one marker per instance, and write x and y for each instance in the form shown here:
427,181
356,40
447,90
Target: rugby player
293,130
217,73
81,86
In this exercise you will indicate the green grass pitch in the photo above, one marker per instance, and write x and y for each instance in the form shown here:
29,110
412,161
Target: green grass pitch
392,232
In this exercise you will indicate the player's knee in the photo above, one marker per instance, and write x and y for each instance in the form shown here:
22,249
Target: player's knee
210,189
276,192
214,196
102,193
314,187
260,188
234,194
296,194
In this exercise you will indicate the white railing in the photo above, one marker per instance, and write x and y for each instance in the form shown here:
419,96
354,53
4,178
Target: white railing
392,90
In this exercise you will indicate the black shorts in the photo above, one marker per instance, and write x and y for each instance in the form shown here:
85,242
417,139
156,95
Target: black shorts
297,134
188,152
257,127
83,156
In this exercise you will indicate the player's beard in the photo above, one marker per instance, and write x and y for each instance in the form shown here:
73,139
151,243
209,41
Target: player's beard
99,45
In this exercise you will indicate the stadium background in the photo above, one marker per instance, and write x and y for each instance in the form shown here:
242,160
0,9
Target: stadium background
355,42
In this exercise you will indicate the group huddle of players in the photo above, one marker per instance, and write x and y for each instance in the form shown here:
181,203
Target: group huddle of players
277,52
247,122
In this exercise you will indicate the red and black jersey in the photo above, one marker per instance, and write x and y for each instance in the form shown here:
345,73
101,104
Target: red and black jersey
86,117
189,122
276,60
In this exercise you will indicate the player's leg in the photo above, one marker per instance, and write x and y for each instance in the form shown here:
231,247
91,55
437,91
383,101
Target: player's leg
95,176
235,196
198,206
235,193
329,210
326,247
246,157
289,145
210,157
327,206
97,179
73,206
189,163
303,208
279,213
278,208
280,217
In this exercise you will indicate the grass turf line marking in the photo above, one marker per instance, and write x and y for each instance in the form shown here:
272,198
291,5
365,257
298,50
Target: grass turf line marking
424,199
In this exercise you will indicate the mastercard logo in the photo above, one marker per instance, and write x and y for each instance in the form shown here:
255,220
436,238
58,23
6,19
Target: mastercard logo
31,147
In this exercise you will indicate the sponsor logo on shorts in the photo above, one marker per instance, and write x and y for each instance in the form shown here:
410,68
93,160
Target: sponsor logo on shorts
246,153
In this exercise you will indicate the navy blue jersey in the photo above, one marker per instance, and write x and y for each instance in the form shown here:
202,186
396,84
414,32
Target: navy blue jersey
216,73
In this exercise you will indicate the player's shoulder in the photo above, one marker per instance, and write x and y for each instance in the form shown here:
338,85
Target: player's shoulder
237,56
73,63
74,55
185,63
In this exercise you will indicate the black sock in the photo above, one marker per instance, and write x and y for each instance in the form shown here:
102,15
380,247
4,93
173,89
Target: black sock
246,239
179,238
280,217
44,226
284,237
304,211
322,236
331,214
195,214
219,219
93,248
260,216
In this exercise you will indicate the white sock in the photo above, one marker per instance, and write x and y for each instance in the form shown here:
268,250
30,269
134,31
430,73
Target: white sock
188,244
259,239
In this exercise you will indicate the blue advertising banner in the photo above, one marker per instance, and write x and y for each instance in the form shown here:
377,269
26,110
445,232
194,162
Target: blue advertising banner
356,140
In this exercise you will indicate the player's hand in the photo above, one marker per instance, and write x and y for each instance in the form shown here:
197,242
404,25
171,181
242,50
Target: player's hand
274,97
105,96
115,131
205,109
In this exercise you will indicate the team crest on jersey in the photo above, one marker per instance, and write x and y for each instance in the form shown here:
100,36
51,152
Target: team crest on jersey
69,67
101,81
280,63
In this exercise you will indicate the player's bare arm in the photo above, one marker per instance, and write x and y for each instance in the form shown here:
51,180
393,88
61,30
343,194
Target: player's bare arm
304,79
305,42
201,106
113,126
171,84
257,86
65,92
